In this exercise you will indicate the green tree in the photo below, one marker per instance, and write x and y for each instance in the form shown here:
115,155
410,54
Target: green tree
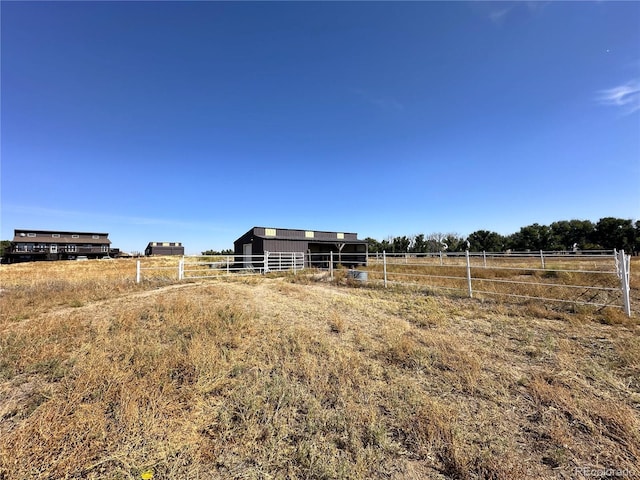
401,244
486,241
419,244
611,232
386,245
5,247
531,237
567,233
374,245
454,242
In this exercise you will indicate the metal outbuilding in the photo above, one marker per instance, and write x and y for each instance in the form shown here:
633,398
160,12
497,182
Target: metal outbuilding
317,246
164,248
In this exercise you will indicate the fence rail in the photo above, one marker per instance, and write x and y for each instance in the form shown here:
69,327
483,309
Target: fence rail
597,278
594,278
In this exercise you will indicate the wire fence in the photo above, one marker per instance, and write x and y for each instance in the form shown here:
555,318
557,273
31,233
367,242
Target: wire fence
597,278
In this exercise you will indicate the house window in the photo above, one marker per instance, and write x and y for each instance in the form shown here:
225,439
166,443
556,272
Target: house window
75,236
31,234
308,234
95,236
269,232
56,235
71,248
340,236
104,248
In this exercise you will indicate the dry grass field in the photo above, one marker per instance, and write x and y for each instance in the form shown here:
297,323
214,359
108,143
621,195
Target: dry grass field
293,377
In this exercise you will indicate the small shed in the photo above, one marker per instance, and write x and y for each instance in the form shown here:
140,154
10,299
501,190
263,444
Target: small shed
164,248
317,246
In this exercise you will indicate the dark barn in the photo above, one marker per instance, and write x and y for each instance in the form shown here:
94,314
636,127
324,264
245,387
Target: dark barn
164,248
317,246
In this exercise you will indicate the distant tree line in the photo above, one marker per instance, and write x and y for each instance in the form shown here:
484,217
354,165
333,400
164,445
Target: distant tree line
608,233
228,251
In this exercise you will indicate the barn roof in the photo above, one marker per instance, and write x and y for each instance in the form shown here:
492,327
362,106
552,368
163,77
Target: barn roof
316,236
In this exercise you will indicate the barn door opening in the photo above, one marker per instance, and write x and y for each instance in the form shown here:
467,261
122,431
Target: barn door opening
247,252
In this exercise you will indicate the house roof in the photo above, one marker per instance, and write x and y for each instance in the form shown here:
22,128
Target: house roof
47,236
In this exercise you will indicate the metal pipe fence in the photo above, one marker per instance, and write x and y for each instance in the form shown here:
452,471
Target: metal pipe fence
597,278
212,266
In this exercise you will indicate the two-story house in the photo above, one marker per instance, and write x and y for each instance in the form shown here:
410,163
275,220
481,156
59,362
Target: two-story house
32,245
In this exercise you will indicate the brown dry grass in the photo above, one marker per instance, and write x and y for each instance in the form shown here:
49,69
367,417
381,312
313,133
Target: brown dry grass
570,283
291,378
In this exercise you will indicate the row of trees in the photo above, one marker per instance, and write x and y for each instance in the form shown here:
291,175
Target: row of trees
228,251
608,233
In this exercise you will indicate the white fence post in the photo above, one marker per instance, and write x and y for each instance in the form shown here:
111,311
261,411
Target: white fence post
624,265
266,262
181,269
484,258
469,274
441,262
384,267
137,271
330,264
542,258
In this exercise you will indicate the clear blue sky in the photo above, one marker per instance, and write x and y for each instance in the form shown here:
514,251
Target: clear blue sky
195,121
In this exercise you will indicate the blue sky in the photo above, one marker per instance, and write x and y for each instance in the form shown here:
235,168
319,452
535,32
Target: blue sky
194,121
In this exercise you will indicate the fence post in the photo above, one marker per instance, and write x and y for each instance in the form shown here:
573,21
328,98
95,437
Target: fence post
384,267
227,264
137,271
181,269
441,262
331,265
469,274
484,258
623,273
542,258
266,262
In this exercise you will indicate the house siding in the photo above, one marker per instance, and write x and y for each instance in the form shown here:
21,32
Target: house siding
34,245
